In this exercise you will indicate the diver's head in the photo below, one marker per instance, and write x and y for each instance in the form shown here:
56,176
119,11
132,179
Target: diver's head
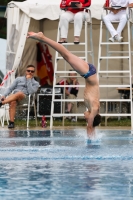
97,120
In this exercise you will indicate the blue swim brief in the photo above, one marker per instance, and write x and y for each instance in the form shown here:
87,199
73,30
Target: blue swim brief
92,71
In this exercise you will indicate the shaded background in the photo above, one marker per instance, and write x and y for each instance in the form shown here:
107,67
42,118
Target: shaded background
3,3
3,35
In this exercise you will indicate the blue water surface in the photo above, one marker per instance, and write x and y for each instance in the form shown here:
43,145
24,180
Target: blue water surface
64,164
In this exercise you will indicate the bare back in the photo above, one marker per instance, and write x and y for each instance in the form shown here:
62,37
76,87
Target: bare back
91,93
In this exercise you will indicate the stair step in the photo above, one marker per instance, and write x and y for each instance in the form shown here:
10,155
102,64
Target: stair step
114,57
108,76
103,76
72,43
58,86
117,86
72,100
115,114
63,72
101,100
115,100
117,71
118,52
61,58
101,71
67,114
113,43
69,76
82,115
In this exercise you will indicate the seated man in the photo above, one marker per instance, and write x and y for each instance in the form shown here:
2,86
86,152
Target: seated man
117,13
71,93
21,87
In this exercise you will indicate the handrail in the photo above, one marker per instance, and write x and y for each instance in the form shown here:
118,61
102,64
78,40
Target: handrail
103,13
89,12
130,10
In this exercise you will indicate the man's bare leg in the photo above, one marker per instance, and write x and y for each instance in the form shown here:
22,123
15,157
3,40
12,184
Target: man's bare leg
14,97
12,110
77,64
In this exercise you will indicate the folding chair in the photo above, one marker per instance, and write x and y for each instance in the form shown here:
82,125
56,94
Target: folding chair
26,105
29,106
4,114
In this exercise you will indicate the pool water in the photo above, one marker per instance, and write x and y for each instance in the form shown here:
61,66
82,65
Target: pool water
63,164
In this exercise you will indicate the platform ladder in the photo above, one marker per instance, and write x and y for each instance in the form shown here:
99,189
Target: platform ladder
131,22
110,80
63,74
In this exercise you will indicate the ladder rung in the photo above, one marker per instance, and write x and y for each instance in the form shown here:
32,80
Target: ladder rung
115,100
114,57
63,72
114,76
115,114
124,71
81,51
69,86
65,100
117,86
66,114
71,43
118,51
60,58
81,114
101,100
112,43
69,76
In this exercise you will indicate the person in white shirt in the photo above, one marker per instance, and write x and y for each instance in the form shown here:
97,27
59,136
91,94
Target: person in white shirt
118,14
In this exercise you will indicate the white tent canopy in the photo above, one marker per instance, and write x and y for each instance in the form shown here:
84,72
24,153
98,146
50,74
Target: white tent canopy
28,15
40,9
3,55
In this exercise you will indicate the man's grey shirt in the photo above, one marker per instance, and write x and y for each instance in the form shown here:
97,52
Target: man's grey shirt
22,84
